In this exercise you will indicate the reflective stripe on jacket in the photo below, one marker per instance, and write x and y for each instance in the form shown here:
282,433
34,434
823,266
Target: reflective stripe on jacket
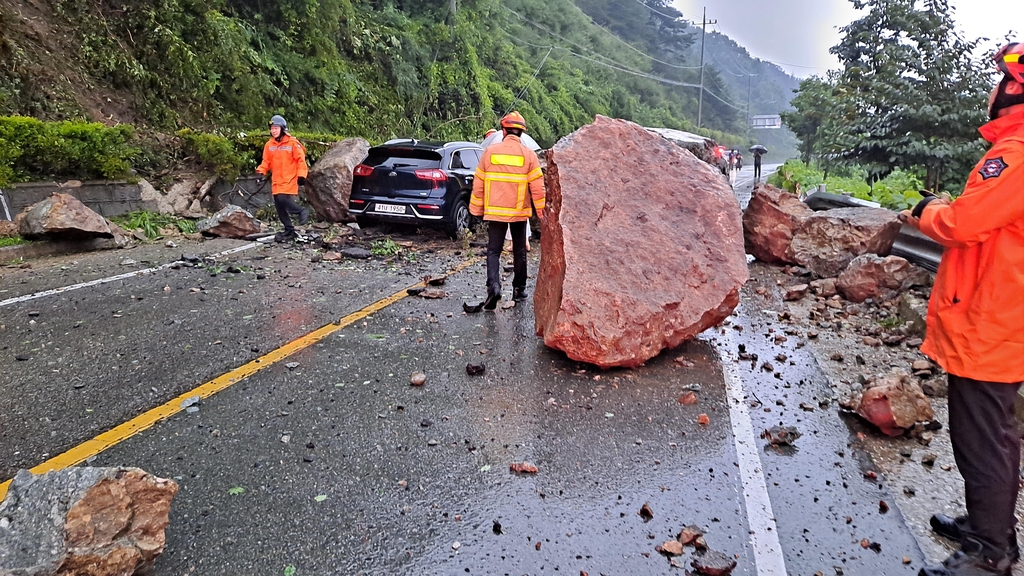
507,171
286,162
976,310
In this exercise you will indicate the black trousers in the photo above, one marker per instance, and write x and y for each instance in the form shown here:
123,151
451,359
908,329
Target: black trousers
495,242
285,204
986,446
757,168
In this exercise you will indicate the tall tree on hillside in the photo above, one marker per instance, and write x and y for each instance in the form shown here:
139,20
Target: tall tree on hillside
910,94
810,106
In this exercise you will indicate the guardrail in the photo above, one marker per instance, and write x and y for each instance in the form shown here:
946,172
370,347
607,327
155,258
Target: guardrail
910,244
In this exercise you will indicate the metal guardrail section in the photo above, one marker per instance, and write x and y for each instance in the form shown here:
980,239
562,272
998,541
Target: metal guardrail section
910,244
917,248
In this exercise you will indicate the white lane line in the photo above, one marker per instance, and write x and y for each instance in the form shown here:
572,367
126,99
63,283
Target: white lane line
764,535
99,281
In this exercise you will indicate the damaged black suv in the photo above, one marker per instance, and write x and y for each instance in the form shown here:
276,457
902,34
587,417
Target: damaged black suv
416,182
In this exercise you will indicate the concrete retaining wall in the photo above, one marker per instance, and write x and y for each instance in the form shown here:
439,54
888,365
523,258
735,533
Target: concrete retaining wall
107,198
113,198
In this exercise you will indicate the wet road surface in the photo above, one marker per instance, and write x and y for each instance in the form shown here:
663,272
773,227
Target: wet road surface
338,466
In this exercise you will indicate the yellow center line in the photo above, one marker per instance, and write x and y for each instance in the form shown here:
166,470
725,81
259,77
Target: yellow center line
148,419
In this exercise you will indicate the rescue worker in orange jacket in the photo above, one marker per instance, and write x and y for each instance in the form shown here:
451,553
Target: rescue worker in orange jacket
507,179
975,331
285,158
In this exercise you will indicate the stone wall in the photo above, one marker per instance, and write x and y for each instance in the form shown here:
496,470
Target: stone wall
107,198
113,198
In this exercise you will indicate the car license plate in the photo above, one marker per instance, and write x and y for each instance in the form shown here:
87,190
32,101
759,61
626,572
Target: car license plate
390,208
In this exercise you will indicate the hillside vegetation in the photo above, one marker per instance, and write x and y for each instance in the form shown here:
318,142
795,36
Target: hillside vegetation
371,68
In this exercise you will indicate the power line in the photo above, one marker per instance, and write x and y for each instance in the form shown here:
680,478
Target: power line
532,78
620,68
674,18
628,45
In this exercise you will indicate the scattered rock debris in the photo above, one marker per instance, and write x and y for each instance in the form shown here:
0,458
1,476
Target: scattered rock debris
781,435
646,512
522,468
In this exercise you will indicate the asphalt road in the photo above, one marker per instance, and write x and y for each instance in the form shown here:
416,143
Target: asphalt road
336,465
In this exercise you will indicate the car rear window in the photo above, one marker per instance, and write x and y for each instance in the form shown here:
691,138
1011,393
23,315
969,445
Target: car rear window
403,157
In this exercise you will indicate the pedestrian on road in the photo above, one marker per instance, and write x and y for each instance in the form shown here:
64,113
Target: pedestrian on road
506,172
284,158
975,331
757,165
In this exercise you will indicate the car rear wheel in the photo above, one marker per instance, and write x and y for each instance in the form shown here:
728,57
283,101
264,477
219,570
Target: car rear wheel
460,219
365,222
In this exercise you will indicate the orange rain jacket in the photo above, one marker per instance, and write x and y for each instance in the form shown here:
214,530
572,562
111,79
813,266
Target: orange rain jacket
286,162
503,176
976,311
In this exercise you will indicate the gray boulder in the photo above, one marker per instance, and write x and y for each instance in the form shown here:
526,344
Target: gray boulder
828,241
230,222
329,183
62,217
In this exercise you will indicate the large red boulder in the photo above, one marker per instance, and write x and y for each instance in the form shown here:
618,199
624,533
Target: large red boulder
871,276
828,240
88,521
771,219
642,246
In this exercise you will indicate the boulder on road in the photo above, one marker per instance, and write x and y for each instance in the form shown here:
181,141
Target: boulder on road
230,222
329,183
771,219
894,403
872,276
827,241
96,521
62,217
642,246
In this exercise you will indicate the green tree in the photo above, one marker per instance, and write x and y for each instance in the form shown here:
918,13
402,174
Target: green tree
910,93
810,107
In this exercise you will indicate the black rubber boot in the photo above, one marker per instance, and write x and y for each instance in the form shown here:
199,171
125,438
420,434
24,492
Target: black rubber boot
949,527
492,301
975,558
954,529
519,294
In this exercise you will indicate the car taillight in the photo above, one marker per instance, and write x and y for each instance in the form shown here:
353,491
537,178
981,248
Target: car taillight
433,174
362,170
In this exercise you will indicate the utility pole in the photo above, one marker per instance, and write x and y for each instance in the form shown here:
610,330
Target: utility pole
453,8
750,77
704,29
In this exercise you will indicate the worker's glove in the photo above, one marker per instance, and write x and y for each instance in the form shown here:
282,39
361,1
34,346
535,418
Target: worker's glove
302,180
260,179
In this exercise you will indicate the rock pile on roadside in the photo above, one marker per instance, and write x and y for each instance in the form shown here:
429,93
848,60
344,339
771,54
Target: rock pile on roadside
779,229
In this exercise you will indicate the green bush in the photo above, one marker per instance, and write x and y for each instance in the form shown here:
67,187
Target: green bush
31,150
897,191
152,222
214,151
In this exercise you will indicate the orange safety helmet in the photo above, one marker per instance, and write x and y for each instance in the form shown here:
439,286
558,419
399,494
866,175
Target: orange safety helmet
488,133
1010,62
514,120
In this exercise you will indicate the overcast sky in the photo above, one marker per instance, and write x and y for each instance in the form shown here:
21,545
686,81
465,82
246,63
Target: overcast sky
797,34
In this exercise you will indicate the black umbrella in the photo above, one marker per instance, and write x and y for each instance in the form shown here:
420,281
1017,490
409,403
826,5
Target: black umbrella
758,148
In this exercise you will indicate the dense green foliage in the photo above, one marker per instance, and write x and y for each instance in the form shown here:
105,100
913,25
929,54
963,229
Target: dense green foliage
910,95
32,149
897,191
372,68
